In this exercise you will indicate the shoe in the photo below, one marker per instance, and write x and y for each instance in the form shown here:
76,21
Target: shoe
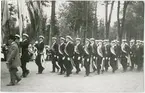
10,84
52,72
58,70
19,80
41,71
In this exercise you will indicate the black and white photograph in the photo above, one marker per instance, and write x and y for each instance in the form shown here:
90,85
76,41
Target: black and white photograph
72,46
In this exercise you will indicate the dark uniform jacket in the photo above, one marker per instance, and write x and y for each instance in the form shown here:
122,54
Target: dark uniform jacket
79,50
88,53
69,49
25,53
40,47
61,49
54,50
133,51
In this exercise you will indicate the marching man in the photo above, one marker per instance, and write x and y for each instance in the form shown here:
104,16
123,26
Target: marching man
40,47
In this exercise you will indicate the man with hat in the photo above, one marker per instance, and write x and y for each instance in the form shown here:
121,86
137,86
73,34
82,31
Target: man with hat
124,54
132,53
100,56
93,54
106,53
78,49
113,54
69,52
139,55
40,47
13,61
61,55
25,55
87,56
54,52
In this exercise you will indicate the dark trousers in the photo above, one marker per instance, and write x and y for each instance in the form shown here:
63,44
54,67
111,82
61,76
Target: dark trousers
99,61
24,68
94,63
77,63
13,75
139,62
68,66
87,65
113,64
124,63
61,64
54,65
106,63
38,63
132,62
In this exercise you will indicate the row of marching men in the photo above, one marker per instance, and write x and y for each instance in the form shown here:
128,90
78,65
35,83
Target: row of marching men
95,54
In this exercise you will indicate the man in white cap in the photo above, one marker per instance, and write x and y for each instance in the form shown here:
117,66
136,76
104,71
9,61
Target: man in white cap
61,55
69,51
24,43
106,54
78,49
100,57
40,48
113,56
54,52
93,54
132,53
139,55
124,54
87,56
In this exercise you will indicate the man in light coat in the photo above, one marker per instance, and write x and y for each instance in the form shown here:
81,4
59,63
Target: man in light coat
13,61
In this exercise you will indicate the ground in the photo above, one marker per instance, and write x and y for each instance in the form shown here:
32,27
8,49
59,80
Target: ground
130,81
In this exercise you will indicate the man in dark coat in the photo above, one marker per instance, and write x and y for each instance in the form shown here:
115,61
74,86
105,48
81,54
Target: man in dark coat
106,53
54,53
69,52
25,56
139,55
113,56
78,50
40,47
93,54
13,61
61,55
124,54
100,56
132,54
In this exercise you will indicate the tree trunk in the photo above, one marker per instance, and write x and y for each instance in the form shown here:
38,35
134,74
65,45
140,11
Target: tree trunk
118,20
52,25
106,19
123,19
109,21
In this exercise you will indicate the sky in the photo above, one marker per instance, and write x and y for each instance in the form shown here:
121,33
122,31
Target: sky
47,10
